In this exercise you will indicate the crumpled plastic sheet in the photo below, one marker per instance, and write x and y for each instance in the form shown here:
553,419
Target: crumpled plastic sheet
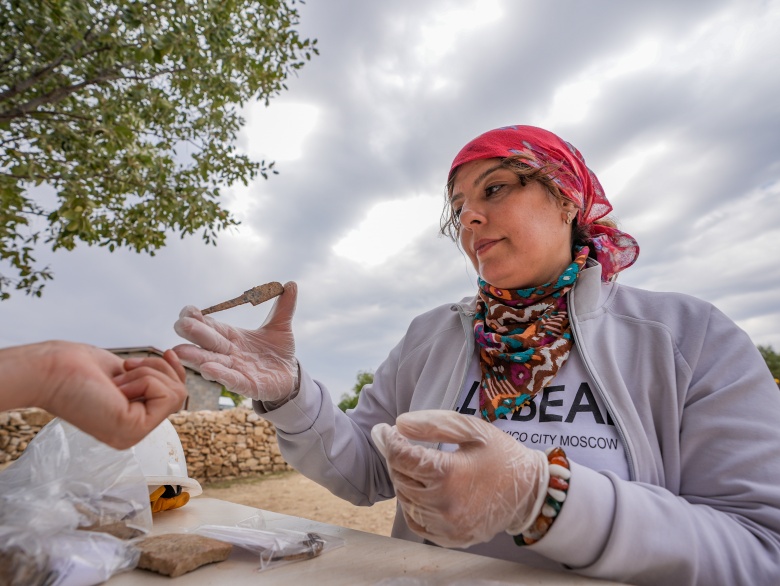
70,510
274,547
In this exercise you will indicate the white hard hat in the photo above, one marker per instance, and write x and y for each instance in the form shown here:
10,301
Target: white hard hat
162,460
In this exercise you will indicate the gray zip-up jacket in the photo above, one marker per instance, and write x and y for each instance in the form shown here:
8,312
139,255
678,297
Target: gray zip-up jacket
693,401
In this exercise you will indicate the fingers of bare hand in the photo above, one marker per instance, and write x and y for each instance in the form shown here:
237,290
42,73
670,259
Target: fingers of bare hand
173,360
159,364
160,401
151,384
108,362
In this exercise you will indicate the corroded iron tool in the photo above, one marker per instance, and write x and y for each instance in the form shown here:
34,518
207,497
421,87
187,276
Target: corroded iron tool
254,296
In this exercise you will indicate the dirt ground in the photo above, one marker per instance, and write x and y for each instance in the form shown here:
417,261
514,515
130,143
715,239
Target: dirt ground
293,494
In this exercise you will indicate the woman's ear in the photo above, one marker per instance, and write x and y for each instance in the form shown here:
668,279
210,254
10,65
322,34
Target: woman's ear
568,211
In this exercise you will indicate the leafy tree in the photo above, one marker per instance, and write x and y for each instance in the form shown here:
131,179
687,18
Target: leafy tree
772,360
349,401
128,110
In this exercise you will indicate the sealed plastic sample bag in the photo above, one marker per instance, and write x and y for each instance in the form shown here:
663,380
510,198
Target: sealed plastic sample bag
275,547
69,509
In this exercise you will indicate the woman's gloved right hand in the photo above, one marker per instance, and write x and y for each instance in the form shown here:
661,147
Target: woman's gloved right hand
259,364
490,484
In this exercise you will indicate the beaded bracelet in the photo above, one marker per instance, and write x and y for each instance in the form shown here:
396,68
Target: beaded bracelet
557,488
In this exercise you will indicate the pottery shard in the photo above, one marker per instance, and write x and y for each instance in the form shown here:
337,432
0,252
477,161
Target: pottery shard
175,554
19,567
118,529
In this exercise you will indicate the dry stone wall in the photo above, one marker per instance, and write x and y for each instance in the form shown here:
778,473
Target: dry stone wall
218,445
17,428
221,445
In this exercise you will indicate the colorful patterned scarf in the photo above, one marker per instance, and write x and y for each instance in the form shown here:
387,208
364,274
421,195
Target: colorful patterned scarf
524,336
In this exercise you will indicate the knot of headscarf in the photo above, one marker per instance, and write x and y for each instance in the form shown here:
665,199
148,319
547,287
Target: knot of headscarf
615,250
524,337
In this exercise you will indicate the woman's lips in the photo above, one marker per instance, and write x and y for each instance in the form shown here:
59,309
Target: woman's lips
483,245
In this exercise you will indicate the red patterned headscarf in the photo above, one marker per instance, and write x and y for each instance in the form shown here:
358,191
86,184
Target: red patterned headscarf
615,250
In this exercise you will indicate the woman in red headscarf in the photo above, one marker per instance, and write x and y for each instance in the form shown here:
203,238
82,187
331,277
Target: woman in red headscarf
557,418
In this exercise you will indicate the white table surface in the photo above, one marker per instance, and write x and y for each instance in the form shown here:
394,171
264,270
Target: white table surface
365,558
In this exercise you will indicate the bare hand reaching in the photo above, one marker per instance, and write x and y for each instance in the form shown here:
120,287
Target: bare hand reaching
116,401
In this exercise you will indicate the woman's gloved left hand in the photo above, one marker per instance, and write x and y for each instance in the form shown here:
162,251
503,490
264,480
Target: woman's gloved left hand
259,364
491,483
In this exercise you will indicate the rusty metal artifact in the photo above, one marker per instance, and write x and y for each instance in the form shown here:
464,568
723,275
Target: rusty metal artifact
254,296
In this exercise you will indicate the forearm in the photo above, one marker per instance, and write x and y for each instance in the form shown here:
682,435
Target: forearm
327,446
722,526
23,374
642,534
92,389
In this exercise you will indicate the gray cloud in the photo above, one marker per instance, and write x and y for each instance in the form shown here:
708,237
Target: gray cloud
390,118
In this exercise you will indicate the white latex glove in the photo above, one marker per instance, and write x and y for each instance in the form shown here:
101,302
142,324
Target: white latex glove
490,484
259,364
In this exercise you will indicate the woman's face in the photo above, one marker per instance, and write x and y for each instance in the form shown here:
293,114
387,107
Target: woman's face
516,236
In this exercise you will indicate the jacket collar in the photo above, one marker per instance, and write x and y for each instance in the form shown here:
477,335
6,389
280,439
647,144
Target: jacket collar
586,293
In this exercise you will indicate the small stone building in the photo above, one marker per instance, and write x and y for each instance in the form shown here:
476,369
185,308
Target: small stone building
203,394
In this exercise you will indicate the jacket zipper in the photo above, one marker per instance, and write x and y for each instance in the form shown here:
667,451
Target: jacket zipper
469,350
574,320
462,312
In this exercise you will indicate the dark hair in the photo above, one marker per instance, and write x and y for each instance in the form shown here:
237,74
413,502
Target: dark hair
580,235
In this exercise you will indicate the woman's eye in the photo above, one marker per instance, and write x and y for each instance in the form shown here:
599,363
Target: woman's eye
456,212
493,189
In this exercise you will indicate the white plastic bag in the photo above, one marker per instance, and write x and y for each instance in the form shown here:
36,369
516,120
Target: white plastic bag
62,505
275,547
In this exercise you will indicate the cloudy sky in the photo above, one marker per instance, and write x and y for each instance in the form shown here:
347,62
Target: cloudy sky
675,106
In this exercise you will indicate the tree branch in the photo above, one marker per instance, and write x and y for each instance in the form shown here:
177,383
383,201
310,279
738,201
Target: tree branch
8,60
52,113
49,177
63,92
55,96
26,84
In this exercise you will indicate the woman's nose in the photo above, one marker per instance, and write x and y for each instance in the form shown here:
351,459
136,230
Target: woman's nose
470,214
